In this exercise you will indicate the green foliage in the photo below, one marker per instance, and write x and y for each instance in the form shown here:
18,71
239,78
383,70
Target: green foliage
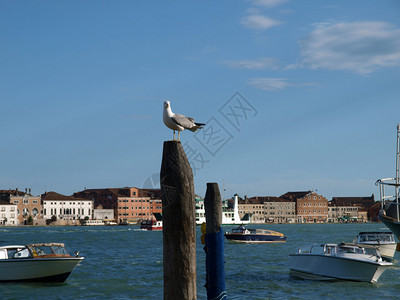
30,220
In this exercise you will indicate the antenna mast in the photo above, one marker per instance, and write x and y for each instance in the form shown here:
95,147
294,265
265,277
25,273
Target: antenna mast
397,170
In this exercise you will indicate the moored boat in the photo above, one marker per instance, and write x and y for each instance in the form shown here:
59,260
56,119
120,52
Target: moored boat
244,235
151,225
338,262
383,241
49,262
390,210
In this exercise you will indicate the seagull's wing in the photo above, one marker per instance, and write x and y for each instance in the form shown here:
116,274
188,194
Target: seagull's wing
183,121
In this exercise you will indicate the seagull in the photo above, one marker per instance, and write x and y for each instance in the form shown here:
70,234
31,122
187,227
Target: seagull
178,122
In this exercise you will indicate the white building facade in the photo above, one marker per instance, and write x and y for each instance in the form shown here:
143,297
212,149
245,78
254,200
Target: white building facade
66,207
103,214
68,210
8,214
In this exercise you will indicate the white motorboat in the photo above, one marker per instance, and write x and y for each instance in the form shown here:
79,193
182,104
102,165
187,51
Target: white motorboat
338,262
383,241
48,262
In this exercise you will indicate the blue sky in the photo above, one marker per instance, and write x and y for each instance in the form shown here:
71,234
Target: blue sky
297,95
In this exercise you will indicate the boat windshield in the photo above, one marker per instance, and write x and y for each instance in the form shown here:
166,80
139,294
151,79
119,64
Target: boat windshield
47,249
349,249
19,253
59,250
377,238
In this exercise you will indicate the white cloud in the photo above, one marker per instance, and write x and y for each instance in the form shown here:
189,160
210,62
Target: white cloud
269,84
258,64
259,22
359,47
267,3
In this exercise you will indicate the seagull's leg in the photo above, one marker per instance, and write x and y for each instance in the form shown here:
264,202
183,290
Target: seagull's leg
174,136
179,135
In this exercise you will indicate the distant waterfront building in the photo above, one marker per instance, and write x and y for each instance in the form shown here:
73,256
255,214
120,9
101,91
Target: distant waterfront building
279,210
366,202
310,206
373,211
342,213
360,209
101,213
66,207
253,207
268,209
130,204
8,213
27,205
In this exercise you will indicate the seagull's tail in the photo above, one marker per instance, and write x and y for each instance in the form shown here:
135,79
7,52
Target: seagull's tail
196,127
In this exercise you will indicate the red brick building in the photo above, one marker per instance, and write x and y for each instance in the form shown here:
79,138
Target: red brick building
130,204
310,206
365,202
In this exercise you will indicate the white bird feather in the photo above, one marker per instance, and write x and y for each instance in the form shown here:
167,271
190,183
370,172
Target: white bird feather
178,122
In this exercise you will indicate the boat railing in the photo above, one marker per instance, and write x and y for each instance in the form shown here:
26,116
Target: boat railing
313,249
394,182
392,198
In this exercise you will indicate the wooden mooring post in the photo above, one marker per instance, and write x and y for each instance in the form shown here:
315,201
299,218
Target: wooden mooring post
179,224
214,239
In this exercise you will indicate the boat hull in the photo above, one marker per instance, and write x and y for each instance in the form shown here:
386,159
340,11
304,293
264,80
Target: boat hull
37,269
387,251
151,228
254,238
151,225
322,267
391,223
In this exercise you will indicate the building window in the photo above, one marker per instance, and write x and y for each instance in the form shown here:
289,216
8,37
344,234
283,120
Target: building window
35,212
25,212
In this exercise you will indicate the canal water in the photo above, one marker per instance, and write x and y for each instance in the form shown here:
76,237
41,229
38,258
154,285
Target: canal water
124,262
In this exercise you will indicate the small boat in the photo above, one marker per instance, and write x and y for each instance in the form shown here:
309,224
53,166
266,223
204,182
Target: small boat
338,262
244,235
383,241
49,262
92,223
151,225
